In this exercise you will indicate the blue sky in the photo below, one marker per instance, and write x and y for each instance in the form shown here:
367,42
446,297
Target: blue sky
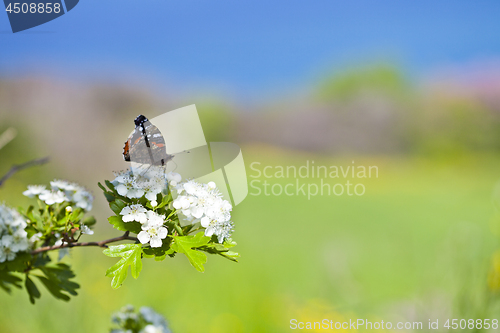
250,47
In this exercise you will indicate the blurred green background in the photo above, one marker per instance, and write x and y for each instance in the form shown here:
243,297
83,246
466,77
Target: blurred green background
413,89
418,245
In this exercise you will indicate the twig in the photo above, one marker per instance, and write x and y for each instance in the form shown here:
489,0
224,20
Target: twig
102,243
19,167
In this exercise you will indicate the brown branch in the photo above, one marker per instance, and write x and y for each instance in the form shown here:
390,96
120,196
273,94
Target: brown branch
102,243
19,167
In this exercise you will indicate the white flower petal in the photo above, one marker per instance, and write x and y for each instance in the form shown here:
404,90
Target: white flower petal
162,232
143,237
155,242
205,222
209,232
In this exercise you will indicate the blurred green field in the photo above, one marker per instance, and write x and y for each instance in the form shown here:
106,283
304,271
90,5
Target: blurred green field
421,238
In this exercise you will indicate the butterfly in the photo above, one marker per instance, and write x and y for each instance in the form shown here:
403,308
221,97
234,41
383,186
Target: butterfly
146,144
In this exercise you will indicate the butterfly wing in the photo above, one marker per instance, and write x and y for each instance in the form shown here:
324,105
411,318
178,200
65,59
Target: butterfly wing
146,144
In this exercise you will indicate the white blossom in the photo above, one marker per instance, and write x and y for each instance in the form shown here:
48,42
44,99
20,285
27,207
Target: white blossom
152,329
34,190
35,238
173,178
125,185
204,203
20,240
145,181
152,317
146,321
86,230
83,199
155,218
134,213
153,230
64,185
222,229
51,197
151,188
62,190
13,237
6,253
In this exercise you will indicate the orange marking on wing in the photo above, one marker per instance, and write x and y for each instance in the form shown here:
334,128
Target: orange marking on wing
126,148
161,145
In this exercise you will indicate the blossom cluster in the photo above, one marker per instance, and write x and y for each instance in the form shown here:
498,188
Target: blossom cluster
197,202
145,321
203,203
147,182
62,191
13,237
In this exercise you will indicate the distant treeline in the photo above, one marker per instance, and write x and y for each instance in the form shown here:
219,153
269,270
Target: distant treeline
364,110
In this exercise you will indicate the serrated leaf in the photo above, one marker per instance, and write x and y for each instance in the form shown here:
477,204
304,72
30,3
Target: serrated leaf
53,288
130,256
185,244
32,290
57,281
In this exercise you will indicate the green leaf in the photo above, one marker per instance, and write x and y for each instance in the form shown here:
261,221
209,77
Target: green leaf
101,187
76,214
130,256
32,290
109,197
161,258
222,250
230,255
89,220
165,201
185,244
117,206
57,281
7,279
117,222
109,185
20,262
53,288
229,243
